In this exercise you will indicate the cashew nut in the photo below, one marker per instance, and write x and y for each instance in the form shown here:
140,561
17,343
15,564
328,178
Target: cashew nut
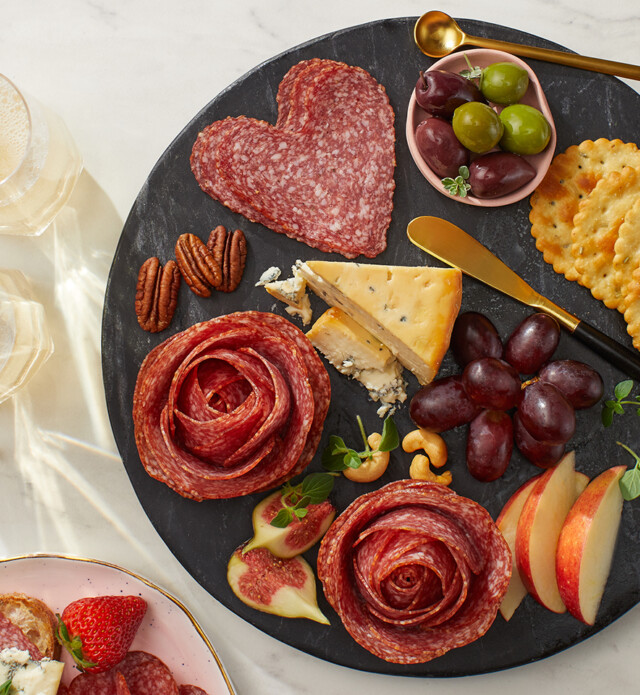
371,468
420,470
431,443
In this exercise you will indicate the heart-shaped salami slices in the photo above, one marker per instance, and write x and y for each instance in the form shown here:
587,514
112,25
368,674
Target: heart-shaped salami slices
323,174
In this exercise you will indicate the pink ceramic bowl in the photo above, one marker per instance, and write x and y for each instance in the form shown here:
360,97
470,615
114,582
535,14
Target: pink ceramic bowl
533,97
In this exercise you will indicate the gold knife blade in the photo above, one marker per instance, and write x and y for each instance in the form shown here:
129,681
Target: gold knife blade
455,247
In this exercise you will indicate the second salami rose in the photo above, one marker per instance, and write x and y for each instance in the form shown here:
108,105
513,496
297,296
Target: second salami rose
230,406
414,570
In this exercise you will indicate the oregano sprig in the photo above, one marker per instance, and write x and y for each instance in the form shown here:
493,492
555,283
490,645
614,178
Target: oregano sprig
314,489
616,407
474,72
337,456
630,481
459,185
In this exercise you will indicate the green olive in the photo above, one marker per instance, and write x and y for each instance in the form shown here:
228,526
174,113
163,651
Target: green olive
504,83
477,126
526,130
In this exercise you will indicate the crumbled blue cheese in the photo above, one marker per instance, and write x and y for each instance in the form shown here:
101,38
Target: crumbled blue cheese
293,292
29,677
270,275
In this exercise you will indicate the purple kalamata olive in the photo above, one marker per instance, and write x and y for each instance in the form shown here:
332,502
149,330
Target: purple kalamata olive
440,92
440,148
499,173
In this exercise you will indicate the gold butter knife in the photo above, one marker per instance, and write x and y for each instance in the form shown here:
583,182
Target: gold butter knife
453,246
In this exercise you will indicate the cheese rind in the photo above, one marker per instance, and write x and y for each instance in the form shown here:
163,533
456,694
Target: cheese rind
411,310
29,677
353,351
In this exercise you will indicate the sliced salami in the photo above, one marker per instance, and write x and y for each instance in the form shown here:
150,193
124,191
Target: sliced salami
145,674
414,570
191,690
12,636
323,174
121,684
139,673
94,684
230,406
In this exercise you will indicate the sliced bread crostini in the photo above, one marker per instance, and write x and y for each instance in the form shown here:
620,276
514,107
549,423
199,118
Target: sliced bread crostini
35,619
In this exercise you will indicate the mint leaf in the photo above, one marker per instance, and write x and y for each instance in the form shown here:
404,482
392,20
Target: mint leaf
301,513
623,389
317,487
390,438
282,519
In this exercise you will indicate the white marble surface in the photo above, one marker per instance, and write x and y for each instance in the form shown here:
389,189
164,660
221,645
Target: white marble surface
127,75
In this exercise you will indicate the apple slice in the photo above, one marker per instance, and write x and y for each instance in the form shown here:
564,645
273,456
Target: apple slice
539,527
586,544
507,522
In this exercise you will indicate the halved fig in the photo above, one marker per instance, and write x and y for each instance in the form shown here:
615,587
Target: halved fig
295,538
282,586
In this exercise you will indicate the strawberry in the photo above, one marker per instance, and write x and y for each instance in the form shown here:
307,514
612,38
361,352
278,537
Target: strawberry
98,631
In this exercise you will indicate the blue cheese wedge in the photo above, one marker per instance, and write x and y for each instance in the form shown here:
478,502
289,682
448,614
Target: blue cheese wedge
411,310
293,292
353,351
29,677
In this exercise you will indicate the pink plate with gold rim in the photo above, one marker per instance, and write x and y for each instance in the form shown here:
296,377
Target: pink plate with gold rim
168,630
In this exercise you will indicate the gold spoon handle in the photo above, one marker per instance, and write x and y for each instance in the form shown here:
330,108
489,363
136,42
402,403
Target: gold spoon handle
610,67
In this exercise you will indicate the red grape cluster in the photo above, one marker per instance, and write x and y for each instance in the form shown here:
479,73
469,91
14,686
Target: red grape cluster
490,385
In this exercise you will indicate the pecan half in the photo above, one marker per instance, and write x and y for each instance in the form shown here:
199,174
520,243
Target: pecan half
230,250
199,268
156,294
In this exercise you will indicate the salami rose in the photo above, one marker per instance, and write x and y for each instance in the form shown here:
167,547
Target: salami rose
414,570
230,406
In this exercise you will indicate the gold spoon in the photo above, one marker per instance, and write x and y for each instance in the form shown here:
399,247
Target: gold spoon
437,34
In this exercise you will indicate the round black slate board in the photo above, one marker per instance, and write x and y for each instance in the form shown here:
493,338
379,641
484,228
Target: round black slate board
203,535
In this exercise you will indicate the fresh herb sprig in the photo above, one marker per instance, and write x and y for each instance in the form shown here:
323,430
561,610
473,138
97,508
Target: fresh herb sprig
314,489
616,407
459,185
474,72
5,687
630,481
337,456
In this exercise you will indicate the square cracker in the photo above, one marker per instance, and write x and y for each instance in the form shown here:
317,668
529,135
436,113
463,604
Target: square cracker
571,177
